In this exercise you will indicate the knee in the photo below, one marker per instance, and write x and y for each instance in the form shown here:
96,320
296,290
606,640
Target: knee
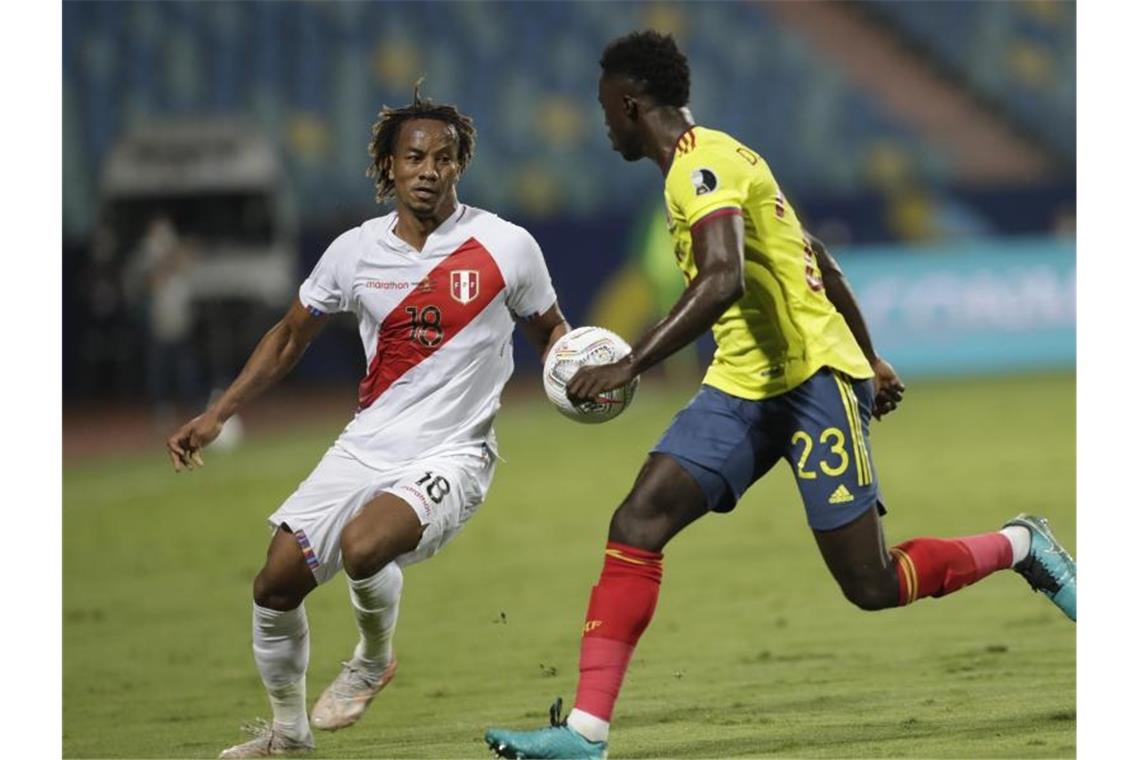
637,523
664,499
361,553
872,594
271,593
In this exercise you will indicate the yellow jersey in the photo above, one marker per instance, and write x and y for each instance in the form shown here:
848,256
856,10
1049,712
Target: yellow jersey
784,328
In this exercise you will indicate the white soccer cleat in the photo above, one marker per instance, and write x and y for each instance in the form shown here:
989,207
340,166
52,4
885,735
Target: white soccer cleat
346,698
268,742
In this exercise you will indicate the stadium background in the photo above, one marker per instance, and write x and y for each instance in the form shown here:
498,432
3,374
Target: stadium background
931,145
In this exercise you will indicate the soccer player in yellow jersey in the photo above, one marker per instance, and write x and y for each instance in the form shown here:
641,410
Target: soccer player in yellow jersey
795,376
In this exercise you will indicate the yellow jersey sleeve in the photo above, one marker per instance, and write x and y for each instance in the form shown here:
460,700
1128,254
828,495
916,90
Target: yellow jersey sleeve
704,179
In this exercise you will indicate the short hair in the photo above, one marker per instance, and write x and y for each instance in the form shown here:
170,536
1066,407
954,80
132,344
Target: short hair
653,59
387,129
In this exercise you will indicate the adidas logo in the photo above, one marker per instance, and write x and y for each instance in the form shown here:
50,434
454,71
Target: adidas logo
840,496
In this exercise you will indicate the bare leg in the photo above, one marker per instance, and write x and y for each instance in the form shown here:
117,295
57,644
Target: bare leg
856,554
386,527
285,579
664,499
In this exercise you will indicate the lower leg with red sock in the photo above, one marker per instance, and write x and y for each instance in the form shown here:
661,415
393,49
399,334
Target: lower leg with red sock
621,606
936,566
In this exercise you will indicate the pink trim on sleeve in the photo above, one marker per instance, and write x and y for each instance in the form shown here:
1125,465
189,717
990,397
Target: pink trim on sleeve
713,215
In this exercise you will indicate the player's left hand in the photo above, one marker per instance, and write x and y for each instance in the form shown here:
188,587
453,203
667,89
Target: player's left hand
590,382
888,388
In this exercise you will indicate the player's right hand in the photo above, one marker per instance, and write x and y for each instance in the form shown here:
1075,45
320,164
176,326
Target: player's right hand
888,388
185,446
591,381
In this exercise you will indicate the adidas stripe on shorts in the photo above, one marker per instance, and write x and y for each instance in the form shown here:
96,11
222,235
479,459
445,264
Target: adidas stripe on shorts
445,490
820,427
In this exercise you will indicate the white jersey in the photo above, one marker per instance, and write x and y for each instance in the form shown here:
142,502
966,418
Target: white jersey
436,326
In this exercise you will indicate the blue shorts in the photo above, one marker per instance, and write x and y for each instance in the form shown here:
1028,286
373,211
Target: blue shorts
820,426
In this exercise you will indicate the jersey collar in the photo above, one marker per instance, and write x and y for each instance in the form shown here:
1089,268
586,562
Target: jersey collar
686,142
390,238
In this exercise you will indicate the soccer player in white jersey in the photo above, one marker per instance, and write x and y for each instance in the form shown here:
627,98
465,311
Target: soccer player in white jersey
437,287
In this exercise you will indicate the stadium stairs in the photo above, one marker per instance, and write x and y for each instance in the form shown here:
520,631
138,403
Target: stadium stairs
985,147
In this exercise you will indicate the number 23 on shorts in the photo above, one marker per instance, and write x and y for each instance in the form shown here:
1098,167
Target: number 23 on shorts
833,457
833,460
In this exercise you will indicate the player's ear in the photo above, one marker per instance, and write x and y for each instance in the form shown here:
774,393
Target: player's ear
388,168
630,106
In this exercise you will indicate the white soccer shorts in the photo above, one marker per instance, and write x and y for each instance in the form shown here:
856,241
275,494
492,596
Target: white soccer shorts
445,491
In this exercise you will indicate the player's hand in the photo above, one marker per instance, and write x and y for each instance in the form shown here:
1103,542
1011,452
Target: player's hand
888,388
590,382
186,445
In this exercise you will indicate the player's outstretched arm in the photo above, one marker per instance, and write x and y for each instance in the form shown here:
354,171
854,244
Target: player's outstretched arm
888,387
276,354
718,251
544,330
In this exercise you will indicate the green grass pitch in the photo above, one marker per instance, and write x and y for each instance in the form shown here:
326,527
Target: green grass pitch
753,651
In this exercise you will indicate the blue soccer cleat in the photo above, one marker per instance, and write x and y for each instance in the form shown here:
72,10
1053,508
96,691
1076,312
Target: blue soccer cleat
558,741
1048,568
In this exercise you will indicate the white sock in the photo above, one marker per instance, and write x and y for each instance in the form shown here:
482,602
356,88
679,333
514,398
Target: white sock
593,728
376,604
281,651
1019,539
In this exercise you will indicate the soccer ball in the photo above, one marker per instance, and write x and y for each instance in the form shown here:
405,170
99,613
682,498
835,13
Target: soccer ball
581,347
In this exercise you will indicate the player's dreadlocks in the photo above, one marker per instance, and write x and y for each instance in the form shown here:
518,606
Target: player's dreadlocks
653,59
387,129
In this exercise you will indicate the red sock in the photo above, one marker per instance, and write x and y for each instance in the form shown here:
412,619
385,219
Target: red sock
621,607
936,566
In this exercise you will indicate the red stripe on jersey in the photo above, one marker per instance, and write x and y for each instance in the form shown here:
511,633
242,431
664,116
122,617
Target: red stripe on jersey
686,142
713,215
445,301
